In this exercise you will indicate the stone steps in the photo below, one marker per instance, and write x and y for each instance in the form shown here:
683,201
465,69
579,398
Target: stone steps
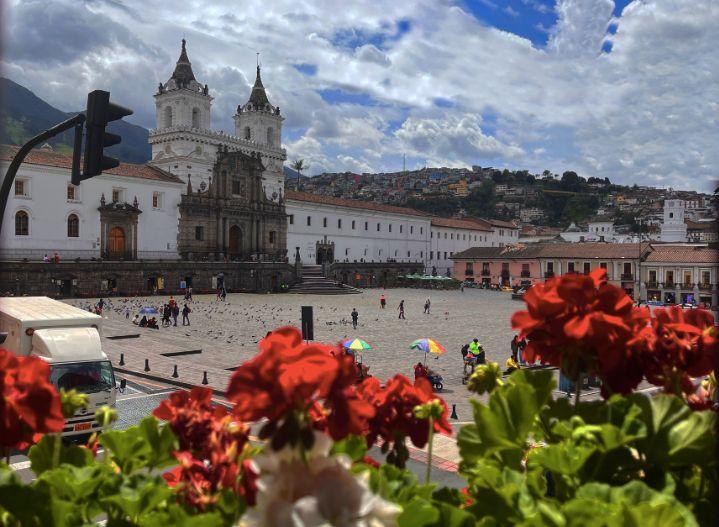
315,283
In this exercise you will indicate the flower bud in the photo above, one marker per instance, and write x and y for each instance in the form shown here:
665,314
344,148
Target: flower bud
72,401
485,378
105,416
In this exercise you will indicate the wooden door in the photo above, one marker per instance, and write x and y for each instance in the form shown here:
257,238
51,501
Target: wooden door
116,243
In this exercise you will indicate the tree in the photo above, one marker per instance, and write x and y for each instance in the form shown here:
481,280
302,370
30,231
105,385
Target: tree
298,165
571,182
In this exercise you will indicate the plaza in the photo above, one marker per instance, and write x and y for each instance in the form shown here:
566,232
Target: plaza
223,335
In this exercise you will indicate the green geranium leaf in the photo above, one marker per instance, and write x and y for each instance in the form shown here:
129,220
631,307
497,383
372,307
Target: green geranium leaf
353,446
41,454
676,436
450,516
501,427
418,513
137,496
562,459
27,505
177,517
145,445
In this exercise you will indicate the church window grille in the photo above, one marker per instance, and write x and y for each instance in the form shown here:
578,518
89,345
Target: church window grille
366,225
390,227
309,221
347,252
116,195
292,219
157,200
339,223
22,223
71,193
324,222
421,254
353,224
73,226
451,236
421,230
445,255
431,255
400,229
411,229
21,188
199,233
407,254
378,227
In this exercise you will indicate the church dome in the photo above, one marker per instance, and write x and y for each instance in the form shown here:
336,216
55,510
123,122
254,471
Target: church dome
183,77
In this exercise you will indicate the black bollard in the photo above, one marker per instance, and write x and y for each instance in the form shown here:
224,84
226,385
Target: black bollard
204,378
147,364
174,372
454,412
122,359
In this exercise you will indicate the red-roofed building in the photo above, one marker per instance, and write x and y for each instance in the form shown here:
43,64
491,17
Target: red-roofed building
129,212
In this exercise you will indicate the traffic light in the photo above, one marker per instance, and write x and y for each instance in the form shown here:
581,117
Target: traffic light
100,112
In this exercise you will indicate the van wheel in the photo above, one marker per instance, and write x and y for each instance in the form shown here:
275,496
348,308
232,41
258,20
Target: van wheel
438,387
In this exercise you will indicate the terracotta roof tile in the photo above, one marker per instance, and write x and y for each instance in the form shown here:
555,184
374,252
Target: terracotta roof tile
683,254
56,159
459,224
590,250
351,203
505,253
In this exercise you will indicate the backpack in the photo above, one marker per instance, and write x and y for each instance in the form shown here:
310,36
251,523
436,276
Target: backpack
465,350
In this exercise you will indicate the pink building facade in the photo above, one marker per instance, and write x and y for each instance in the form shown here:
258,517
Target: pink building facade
499,266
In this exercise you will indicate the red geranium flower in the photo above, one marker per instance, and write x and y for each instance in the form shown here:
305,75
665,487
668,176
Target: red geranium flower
681,345
30,405
287,374
584,325
200,425
394,404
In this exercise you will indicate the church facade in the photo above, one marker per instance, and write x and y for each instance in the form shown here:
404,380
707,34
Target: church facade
233,218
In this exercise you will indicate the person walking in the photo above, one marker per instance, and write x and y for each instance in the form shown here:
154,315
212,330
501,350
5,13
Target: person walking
186,315
401,310
355,316
427,305
127,313
175,313
461,287
514,345
382,301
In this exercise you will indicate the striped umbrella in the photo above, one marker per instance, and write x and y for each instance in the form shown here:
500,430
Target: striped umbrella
356,345
428,346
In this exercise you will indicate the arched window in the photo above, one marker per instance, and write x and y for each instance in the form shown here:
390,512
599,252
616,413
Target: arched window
270,136
22,223
73,226
168,116
248,133
195,117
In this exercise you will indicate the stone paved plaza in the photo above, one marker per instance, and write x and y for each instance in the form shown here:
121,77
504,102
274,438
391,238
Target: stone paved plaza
227,332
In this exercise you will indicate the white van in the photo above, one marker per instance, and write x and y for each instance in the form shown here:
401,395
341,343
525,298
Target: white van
68,339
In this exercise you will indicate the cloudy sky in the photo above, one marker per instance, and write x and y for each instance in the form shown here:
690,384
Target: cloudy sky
626,90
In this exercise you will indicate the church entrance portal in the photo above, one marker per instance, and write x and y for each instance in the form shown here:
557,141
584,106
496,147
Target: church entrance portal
116,243
325,252
235,240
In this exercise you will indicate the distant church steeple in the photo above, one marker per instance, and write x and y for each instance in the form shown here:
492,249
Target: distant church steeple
258,97
183,70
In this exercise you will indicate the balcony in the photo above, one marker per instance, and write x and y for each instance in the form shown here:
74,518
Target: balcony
705,286
525,274
485,272
652,285
549,274
687,285
670,283
469,272
627,277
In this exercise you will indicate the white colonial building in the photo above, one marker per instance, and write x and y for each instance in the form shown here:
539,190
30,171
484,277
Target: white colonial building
128,212
333,229
184,144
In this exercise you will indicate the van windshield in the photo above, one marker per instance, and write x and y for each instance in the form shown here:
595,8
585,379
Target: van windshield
85,377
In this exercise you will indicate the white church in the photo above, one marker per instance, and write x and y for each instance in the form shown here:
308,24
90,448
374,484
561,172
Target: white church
131,212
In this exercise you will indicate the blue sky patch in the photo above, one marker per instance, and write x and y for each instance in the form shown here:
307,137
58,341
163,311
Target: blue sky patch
307,69
337,96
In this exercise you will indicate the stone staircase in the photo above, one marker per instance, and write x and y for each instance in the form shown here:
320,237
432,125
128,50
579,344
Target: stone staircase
315,283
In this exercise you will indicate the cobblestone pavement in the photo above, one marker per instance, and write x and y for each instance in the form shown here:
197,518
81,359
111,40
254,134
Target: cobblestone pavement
227,332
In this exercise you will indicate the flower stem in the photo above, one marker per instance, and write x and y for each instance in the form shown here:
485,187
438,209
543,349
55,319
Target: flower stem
577,390
429,449
56,444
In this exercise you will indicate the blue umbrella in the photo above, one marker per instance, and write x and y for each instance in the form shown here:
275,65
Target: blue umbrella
148,311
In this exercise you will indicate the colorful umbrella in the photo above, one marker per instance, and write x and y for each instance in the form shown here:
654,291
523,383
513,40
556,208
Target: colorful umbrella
428,346
356,345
